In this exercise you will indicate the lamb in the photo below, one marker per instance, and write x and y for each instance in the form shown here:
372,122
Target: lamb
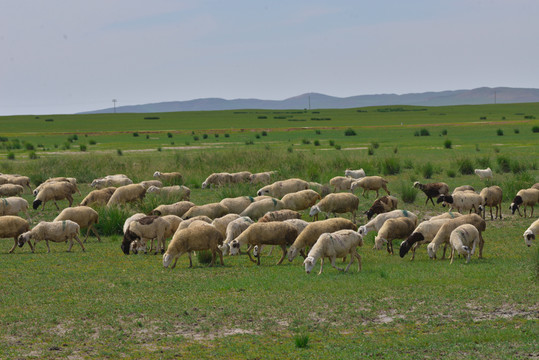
191,239
334,245
11,190
13,206
13,226
341,183
258,234
463,188
71,180
240,177
222,222
423,234
300,200
442,237
148,183
148,227
484,173
212,210
313,231
381,205
261,178
233,230
98,197
127,193
56,231
531,232
260,208
378,221
178,209
396,228
356,174
280,215
168,177
338,203
463,201
84,216
186,223
525,197
53,192
281,188
238,204
217,179
370,183
179,192
432,190
461,239
117,180
491,196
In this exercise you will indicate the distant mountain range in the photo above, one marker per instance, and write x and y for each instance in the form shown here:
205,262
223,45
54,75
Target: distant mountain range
483,95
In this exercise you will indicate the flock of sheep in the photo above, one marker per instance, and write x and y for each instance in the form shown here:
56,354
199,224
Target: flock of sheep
271,218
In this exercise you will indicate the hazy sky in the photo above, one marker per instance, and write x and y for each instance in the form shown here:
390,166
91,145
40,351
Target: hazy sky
67,56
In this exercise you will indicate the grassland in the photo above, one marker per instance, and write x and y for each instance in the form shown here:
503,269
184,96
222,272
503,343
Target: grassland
102,304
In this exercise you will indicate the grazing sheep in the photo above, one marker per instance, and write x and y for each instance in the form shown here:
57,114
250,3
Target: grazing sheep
98,197
212,210
281,188
261,178
168,177
492,196
11,190
461,239
484,173
341,183
233,230
447,215
178,209
397,228
462,201
130,219
258,234
179,192
238,204
53,192
13,226
186,223
56,231
222,222
423,234
143,229
378,221
217,179
299,224
334,245
13,206
531,232
174,222
71,180
111,180
442,236
338,203
370,183
148,183
525,197
313,231
432,190
463,188
323,190
356,174
23,181
535,186
240,177
127,193
191,239
300,200
84,216
259,208
382,205
280,215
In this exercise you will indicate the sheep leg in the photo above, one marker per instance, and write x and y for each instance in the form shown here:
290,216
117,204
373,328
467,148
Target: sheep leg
332,258
445,247
350,263
258,257
48,247
14,245
78,240
302,253
321,265
70,244
57,208
212,257
284,254
364,192
174,264
220,256
500,211
190,260
533,206
481,244
358,260
414,248
249,253
452,256
95,233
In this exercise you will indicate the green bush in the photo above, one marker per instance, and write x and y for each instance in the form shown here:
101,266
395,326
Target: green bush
111,220
448,144
316,143
408,164
306,141
92,142
264,133
29,146
169,135
331,142
427,170
375,145
465,166
227,135
504,164
119,152
391,166
483,162
82,147
407,192
350,132
135,134
444,132
451,173
517,131
301,341
205,136
196,138
424,132
370,150
535,129
32,155
257,136
499,132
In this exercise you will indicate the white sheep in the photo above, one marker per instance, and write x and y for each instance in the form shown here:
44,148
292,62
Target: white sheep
378,221
11,227
300,200
233,230
186,223
221,223
179,209
16,179
462,239
299,224
341,183
127,193
11,190
146,228
491,196
259,208
84,216
463,201
13,206
168,177
531,232
240,177
56,231
281,188
535,186
446,215
261,177
373,183
338,203
178,192
217,179
525,197
191,239
423,234
334,245
236,205
130,219
54,192
148,183
71,180
463,188
484,173
396,228
280,215
211,210
356,174
111,180
98,197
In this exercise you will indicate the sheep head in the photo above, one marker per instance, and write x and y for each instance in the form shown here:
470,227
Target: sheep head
292,253
156,174
309,264
23,238
315,209
379,242
431,250
234,247
528,237
167,259
362,230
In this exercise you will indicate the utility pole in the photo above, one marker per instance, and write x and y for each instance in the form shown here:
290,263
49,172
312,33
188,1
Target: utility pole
114,102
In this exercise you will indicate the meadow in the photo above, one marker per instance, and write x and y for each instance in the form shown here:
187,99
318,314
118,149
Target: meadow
103,304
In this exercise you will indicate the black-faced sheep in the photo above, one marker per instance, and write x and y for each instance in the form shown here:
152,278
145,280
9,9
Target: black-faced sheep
396,228
143,229
84,216
12,227
191,239
55,231
423,234
281,188
382,205
54,192
338,203
432,190
525,197
98,197
531,233
462,202
373,183
492,196
464,239
127,193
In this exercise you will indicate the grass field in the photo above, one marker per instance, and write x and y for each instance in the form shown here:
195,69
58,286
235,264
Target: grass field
103,304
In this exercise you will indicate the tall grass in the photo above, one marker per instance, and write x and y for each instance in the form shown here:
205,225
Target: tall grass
407,192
